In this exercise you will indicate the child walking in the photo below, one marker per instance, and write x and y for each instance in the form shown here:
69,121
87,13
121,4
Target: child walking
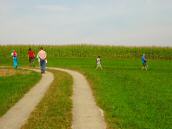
98,62
144,62
15,61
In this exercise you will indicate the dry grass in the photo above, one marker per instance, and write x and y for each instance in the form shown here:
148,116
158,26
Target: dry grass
5,72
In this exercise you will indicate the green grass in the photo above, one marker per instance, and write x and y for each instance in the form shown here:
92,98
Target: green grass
12,88
54,111
134,99
130,97
86,51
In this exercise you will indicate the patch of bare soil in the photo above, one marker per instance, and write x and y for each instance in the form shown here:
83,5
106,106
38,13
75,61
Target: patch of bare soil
4,72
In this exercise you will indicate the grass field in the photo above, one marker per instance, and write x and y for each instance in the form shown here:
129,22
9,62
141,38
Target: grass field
54,111
14,86
130,97
85,51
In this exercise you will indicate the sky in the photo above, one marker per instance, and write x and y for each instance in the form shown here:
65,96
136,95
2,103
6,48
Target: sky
105,22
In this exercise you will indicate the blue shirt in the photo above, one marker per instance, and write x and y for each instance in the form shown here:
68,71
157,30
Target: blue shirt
143,59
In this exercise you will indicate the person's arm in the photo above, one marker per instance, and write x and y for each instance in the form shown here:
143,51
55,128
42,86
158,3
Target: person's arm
45,55
37,56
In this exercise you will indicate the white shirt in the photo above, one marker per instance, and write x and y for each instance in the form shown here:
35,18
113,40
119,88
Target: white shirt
42,54
98,60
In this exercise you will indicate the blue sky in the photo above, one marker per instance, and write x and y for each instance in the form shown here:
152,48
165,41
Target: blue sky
114,22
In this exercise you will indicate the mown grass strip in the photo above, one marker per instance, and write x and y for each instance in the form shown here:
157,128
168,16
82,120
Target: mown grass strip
132,98
54,111
13,87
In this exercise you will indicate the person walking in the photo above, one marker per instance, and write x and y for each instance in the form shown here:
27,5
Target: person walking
144,62
15,60
98,62
31,56
42,56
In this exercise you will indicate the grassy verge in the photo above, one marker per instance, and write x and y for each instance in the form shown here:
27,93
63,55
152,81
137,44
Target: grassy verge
54,111
13,85
130,97
134,99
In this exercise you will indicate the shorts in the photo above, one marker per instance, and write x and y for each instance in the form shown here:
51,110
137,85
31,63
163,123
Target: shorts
99,65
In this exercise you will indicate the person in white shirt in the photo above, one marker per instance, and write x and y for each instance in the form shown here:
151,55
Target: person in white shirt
42,56
98,62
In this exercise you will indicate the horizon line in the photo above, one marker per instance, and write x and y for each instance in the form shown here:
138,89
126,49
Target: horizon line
80,44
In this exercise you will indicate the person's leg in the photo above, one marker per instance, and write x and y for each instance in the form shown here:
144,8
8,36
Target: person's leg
101,67
44,66
146,68
15,62
143,66
41,65
32,62
96,67
29,61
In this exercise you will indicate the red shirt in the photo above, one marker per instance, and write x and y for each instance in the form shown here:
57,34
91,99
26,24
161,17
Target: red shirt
31,54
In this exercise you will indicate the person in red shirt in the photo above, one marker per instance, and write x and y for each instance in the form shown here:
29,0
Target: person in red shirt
31,56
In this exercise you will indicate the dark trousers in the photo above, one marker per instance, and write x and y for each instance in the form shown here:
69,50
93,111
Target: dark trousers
42,65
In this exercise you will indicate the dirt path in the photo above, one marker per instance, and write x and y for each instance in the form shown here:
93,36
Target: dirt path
86,114
19,113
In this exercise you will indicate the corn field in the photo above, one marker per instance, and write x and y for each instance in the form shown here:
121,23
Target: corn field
91,51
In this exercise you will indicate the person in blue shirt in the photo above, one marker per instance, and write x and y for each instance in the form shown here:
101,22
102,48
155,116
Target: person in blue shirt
144,62
15,61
